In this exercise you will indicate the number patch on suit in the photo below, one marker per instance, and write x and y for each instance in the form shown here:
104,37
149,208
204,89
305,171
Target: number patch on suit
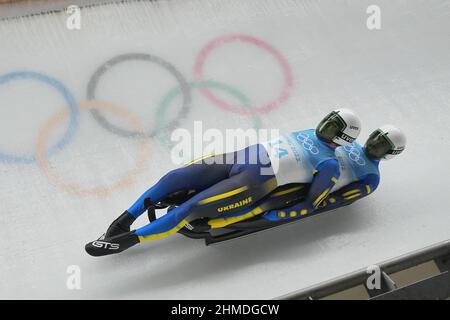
280,151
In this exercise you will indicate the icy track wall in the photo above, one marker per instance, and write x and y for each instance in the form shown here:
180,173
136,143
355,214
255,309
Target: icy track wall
74,105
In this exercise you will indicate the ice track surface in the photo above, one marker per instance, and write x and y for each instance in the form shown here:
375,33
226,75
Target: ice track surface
65,174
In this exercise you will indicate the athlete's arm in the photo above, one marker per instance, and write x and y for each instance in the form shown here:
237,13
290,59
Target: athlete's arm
352,192
326,176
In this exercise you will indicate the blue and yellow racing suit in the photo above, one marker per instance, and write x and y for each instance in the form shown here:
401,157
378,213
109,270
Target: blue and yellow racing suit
221,187
359,177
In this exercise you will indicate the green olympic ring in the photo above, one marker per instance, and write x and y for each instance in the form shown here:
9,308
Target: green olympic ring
172,94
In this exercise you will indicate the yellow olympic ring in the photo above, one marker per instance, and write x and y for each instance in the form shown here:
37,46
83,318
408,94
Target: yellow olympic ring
44,164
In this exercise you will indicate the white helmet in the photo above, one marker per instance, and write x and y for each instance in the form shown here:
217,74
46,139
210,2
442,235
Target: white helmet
340,127
385,143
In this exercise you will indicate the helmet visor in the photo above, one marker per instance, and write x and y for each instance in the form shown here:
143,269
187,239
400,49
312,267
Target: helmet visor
330,127
378,145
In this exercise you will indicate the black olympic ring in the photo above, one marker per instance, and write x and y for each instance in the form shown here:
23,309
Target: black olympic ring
93,82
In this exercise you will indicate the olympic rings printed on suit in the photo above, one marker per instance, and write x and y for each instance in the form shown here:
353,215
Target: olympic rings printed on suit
354,154
71,104
44,164
265,108
93,83
168,98
307,143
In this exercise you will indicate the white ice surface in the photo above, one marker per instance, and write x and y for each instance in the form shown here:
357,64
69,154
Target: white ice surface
399,74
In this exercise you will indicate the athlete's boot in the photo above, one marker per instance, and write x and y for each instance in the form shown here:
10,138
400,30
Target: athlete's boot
121,225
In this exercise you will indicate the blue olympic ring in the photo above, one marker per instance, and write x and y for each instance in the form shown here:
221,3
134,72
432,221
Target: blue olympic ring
71,103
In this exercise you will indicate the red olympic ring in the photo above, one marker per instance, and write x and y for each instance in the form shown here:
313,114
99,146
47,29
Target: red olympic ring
265,108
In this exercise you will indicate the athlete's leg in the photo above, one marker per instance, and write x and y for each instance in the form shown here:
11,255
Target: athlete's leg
193,177
245,183
196,176
245,187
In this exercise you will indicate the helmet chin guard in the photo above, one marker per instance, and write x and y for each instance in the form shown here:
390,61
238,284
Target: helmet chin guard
341,127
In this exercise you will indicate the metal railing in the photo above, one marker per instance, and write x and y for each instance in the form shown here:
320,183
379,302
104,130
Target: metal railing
436,287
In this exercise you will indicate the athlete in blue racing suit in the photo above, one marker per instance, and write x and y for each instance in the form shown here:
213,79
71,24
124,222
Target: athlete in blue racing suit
221,187
359,174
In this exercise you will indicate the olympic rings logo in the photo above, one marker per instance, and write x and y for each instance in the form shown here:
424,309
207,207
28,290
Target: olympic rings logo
354,154
307,143
98,108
